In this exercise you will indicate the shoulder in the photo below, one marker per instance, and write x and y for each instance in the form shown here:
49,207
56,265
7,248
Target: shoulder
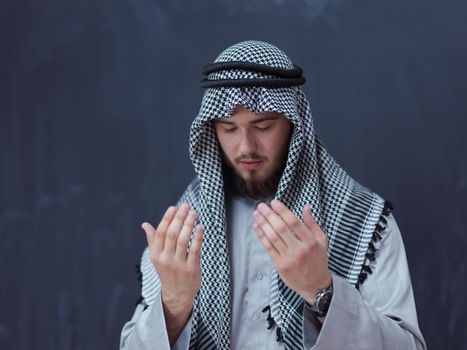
191,194
390,251
391,235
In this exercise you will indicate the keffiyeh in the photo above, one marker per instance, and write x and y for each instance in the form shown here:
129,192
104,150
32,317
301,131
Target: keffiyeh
351,216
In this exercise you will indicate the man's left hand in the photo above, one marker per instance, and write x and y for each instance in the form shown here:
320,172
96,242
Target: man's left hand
297,249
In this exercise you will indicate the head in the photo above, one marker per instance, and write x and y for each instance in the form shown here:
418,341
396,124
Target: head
251,126
254,148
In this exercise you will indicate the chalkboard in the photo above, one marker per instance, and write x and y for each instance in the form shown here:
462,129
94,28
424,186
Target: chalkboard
96,101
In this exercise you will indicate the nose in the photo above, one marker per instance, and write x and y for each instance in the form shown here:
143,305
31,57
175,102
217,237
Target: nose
247,144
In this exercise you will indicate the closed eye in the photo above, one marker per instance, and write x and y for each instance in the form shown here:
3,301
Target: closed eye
229,130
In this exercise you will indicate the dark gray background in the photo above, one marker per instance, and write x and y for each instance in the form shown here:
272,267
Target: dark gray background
96,99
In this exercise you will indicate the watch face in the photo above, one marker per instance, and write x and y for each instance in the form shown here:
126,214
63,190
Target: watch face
324,301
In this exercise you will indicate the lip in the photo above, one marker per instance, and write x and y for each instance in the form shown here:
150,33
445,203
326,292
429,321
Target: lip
251,165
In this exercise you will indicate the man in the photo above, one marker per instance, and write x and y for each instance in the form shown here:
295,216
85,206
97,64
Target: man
273,245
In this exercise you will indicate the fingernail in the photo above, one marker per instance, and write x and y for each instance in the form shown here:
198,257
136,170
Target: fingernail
262,206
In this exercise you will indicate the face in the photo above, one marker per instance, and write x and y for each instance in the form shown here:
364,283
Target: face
254,145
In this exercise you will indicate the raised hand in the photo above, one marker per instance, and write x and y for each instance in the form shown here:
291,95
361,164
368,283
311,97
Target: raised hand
297,249
176,263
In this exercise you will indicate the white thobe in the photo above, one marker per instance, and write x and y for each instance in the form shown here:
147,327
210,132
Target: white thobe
381,315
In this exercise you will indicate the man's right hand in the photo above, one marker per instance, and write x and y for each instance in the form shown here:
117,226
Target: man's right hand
177,264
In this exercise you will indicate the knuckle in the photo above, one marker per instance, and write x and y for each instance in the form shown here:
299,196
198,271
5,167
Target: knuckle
296,225
268,247
282,228
274,239
182,242
312,244
154,260
158,232
162,263
259,220
301,254
306,249
281,211
171,234
189,269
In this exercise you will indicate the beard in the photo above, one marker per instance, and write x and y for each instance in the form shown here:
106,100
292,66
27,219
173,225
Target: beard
258,189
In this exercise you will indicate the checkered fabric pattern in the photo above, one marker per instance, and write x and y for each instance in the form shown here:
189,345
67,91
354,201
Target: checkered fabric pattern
347,212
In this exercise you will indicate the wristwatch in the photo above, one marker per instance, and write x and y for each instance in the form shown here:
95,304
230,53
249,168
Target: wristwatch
322,301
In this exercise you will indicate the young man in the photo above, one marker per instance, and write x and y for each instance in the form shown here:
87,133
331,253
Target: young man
273,245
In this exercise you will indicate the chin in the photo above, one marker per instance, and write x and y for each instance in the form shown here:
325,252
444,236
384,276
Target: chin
253,176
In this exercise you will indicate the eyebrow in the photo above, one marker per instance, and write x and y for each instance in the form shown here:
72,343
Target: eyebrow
255,121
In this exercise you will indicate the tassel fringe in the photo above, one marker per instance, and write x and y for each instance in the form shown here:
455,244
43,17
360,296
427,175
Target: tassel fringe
272,324
371,252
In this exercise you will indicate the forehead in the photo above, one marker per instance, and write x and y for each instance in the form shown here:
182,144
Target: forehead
242,115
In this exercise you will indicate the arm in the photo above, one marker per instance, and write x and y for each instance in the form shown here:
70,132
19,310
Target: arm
381,316
147,327
171,265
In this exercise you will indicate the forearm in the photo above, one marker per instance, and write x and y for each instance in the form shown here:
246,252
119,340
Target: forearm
353,324
176,318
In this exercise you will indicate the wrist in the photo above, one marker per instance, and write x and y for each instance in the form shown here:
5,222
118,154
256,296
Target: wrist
322,300
310,296
176,304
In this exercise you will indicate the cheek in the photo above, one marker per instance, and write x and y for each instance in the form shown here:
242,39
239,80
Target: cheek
276,146
227,147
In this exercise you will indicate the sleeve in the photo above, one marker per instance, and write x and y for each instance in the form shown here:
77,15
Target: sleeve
381,315
147,328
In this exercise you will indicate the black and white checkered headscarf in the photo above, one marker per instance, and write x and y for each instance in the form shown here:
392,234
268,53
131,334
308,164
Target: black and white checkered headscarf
350,215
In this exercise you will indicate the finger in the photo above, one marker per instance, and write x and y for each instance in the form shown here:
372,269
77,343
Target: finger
149,231
277,224
195,249
174,228
268,246
311,223
184,236
308,218
290,219
161,230
273,237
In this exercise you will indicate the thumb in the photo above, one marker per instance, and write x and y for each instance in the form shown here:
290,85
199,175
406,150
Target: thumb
149,231
308,218
311,224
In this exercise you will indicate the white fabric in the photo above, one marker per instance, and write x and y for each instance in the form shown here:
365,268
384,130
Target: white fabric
350,215
378,317
346,211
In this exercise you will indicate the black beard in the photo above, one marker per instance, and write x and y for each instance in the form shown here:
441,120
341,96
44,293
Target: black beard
254,189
